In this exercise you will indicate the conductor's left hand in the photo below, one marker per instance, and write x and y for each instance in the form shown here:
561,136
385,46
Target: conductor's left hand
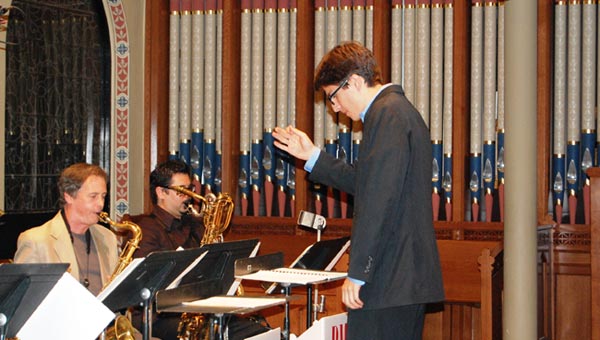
350,295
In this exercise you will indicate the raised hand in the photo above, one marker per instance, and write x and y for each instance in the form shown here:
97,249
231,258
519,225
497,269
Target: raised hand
294,141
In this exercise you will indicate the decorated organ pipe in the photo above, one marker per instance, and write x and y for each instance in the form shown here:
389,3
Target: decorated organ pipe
573,105
422,61
408,60
560,108
344,145
197,106
476,109
269,101
245,83
597,153
359,32
447,114
369,24
210,87
283,84
257,107
396,52
500,114
185,88
488,173
598,89
588,100
330,119
174,17
291,169
359,8
217,177
320,108
437,101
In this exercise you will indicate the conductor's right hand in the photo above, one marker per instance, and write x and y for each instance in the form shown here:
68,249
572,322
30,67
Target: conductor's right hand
294,142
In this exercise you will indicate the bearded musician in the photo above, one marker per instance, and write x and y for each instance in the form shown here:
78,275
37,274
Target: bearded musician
168,227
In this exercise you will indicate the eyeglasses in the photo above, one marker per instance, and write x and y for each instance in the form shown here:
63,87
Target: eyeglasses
190,187
334,93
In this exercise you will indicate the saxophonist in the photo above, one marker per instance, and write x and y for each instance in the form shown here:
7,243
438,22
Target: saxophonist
73,235
168,227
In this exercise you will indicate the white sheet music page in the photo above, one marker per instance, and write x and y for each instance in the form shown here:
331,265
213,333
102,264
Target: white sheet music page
294,276
234,301
68,312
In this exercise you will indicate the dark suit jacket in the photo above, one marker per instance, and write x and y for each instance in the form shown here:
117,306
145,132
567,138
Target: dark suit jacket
393,247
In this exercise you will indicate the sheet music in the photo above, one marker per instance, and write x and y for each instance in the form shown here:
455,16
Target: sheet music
329,266
68,312
234,301
294,276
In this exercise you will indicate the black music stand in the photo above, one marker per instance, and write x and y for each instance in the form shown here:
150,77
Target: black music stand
139,286
22,288
219,264
212,276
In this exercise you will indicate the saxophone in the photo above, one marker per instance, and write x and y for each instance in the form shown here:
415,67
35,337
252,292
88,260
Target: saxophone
122,328
216,212
127,252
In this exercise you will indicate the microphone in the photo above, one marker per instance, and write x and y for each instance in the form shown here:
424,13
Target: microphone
311,220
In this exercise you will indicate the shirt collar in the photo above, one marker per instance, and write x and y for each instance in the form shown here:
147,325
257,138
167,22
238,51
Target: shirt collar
167,219
364,112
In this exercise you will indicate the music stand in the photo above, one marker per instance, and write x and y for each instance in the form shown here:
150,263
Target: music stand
262,269
139,285
212,276
322,255
22,288
219,264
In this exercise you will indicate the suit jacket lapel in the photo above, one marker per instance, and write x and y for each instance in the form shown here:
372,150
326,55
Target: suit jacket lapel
101,247
66,254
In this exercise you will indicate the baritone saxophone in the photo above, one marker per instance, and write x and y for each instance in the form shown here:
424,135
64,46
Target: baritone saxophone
216,212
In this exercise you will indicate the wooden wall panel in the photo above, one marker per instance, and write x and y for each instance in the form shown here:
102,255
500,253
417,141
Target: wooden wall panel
573,318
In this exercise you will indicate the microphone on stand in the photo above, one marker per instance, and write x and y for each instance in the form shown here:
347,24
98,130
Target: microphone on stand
313,221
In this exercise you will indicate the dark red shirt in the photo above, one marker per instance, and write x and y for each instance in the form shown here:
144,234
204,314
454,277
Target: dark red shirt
161,231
